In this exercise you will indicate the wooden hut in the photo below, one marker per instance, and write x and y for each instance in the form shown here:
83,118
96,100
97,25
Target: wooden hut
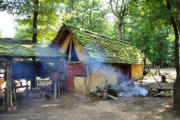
82,46
16,52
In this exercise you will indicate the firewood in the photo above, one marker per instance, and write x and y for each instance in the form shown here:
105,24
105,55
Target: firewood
105,96
112,92
92,93
99,94
112,97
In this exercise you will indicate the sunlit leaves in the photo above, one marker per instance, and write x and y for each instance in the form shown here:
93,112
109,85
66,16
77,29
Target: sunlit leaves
48,17
87,14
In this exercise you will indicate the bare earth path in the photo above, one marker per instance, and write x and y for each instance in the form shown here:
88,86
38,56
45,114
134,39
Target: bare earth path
74,108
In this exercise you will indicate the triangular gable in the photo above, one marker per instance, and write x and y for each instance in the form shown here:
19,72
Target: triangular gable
69,40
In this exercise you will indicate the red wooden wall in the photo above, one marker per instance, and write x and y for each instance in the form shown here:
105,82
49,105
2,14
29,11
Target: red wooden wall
71,71
125,69
80,70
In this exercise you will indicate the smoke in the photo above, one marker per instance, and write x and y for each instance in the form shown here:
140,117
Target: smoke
48,56
49,65
129,89
107,70
43,50
120,81
139,91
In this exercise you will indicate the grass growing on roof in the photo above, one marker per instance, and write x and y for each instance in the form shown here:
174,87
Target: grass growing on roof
106,49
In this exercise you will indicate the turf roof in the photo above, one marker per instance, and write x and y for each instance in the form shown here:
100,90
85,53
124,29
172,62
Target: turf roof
16,48
106,49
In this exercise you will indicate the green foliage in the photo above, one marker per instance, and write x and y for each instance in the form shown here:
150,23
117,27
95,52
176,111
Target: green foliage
148,27
88,14
23,33
48,17
3,5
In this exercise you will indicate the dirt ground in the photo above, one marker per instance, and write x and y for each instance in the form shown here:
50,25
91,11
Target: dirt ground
69,107
72,107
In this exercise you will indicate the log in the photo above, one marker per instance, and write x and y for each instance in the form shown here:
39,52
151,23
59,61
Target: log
92,93
112,97
102,91
99,94
112,92
105,95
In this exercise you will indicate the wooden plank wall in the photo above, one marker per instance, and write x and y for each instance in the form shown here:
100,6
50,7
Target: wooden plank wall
79,50
65,44
136,72
80,85
1,83
96,79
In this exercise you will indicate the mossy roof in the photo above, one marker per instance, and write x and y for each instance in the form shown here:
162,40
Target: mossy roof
106,49
17,48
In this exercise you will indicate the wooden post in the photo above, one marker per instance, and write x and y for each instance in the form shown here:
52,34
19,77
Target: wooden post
58,86
8,86
105,91
70,51
10,105
64,75
55,89
87,81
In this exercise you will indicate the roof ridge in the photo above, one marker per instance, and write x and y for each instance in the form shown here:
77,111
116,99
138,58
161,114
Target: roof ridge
95,33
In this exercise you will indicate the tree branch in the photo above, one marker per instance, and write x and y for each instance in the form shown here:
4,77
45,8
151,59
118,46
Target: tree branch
113,9
178,13
117,2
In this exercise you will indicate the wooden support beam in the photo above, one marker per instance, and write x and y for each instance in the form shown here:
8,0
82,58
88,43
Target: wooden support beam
70,51
55,89
65,44
87,81
79,50
64,72
8,85
10,91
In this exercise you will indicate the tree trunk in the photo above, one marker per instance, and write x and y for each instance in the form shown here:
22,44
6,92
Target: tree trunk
35,19
120,29
178,13
34,37
177,82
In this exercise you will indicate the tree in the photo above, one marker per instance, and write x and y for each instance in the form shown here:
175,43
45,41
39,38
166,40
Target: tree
3,5
147,26
87,14
177,82
119,9
35,20
150,31
35,16
178,13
